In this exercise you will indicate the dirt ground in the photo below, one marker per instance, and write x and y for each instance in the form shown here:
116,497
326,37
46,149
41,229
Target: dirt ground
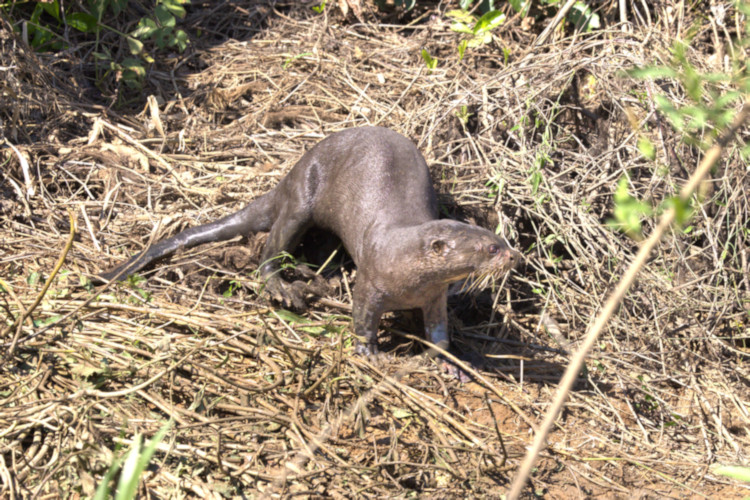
529,139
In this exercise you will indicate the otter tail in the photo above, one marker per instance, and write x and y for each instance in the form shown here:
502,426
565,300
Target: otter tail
257,216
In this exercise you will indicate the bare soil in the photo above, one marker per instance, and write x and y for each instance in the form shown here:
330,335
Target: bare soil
527,139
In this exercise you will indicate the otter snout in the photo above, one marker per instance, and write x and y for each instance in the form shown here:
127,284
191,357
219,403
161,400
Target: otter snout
505,257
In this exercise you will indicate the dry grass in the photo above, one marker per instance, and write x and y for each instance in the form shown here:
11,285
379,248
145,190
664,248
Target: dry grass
269,402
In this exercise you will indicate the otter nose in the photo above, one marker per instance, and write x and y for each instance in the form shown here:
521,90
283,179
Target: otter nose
512,257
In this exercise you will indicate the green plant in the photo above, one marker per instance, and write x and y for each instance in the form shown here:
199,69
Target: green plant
46,22
319,8
734,471
583,17
478,29
489,5
134,281
289,60
629,211
234,285
161,29
430,61
710,108
135,462
463,115
43,32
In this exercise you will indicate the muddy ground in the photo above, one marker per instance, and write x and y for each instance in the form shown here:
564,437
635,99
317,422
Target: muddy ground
525,138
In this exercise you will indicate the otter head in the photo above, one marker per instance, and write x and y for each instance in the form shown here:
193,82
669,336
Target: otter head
454,251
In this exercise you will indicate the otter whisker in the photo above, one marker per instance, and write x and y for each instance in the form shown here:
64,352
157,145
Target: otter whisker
479,279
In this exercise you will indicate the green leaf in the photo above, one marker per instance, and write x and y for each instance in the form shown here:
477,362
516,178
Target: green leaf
181,40
646,147
682,209
584,18
47,321
652,72
693,83
51,8
135,46
136,462
734,471
400,413
535,179
487,5
286,64
164,37
319,8
145,29
461,16
628,210
462,48
117,6
728,98
290,317
164,17
430,61
698,116
134,65
461,28
313,330
175,7
480,40
521,6
102,492
38,11
465,4
85,23
717,77
488,21
674,116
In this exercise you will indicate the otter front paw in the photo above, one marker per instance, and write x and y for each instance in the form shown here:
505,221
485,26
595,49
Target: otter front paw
290,295
370,351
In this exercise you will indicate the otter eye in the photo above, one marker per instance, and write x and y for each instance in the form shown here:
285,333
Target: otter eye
438,246
493,249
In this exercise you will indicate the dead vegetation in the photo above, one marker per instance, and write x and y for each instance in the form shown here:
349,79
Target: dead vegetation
268,402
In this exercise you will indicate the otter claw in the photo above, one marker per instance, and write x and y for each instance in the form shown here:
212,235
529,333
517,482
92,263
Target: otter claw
288,294
371,352
369,349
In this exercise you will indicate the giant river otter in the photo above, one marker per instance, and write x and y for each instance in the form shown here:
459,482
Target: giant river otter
371,187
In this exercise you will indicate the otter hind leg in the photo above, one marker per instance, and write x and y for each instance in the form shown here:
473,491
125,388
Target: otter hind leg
284,236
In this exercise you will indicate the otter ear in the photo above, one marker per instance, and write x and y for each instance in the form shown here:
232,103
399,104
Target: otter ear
438,246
